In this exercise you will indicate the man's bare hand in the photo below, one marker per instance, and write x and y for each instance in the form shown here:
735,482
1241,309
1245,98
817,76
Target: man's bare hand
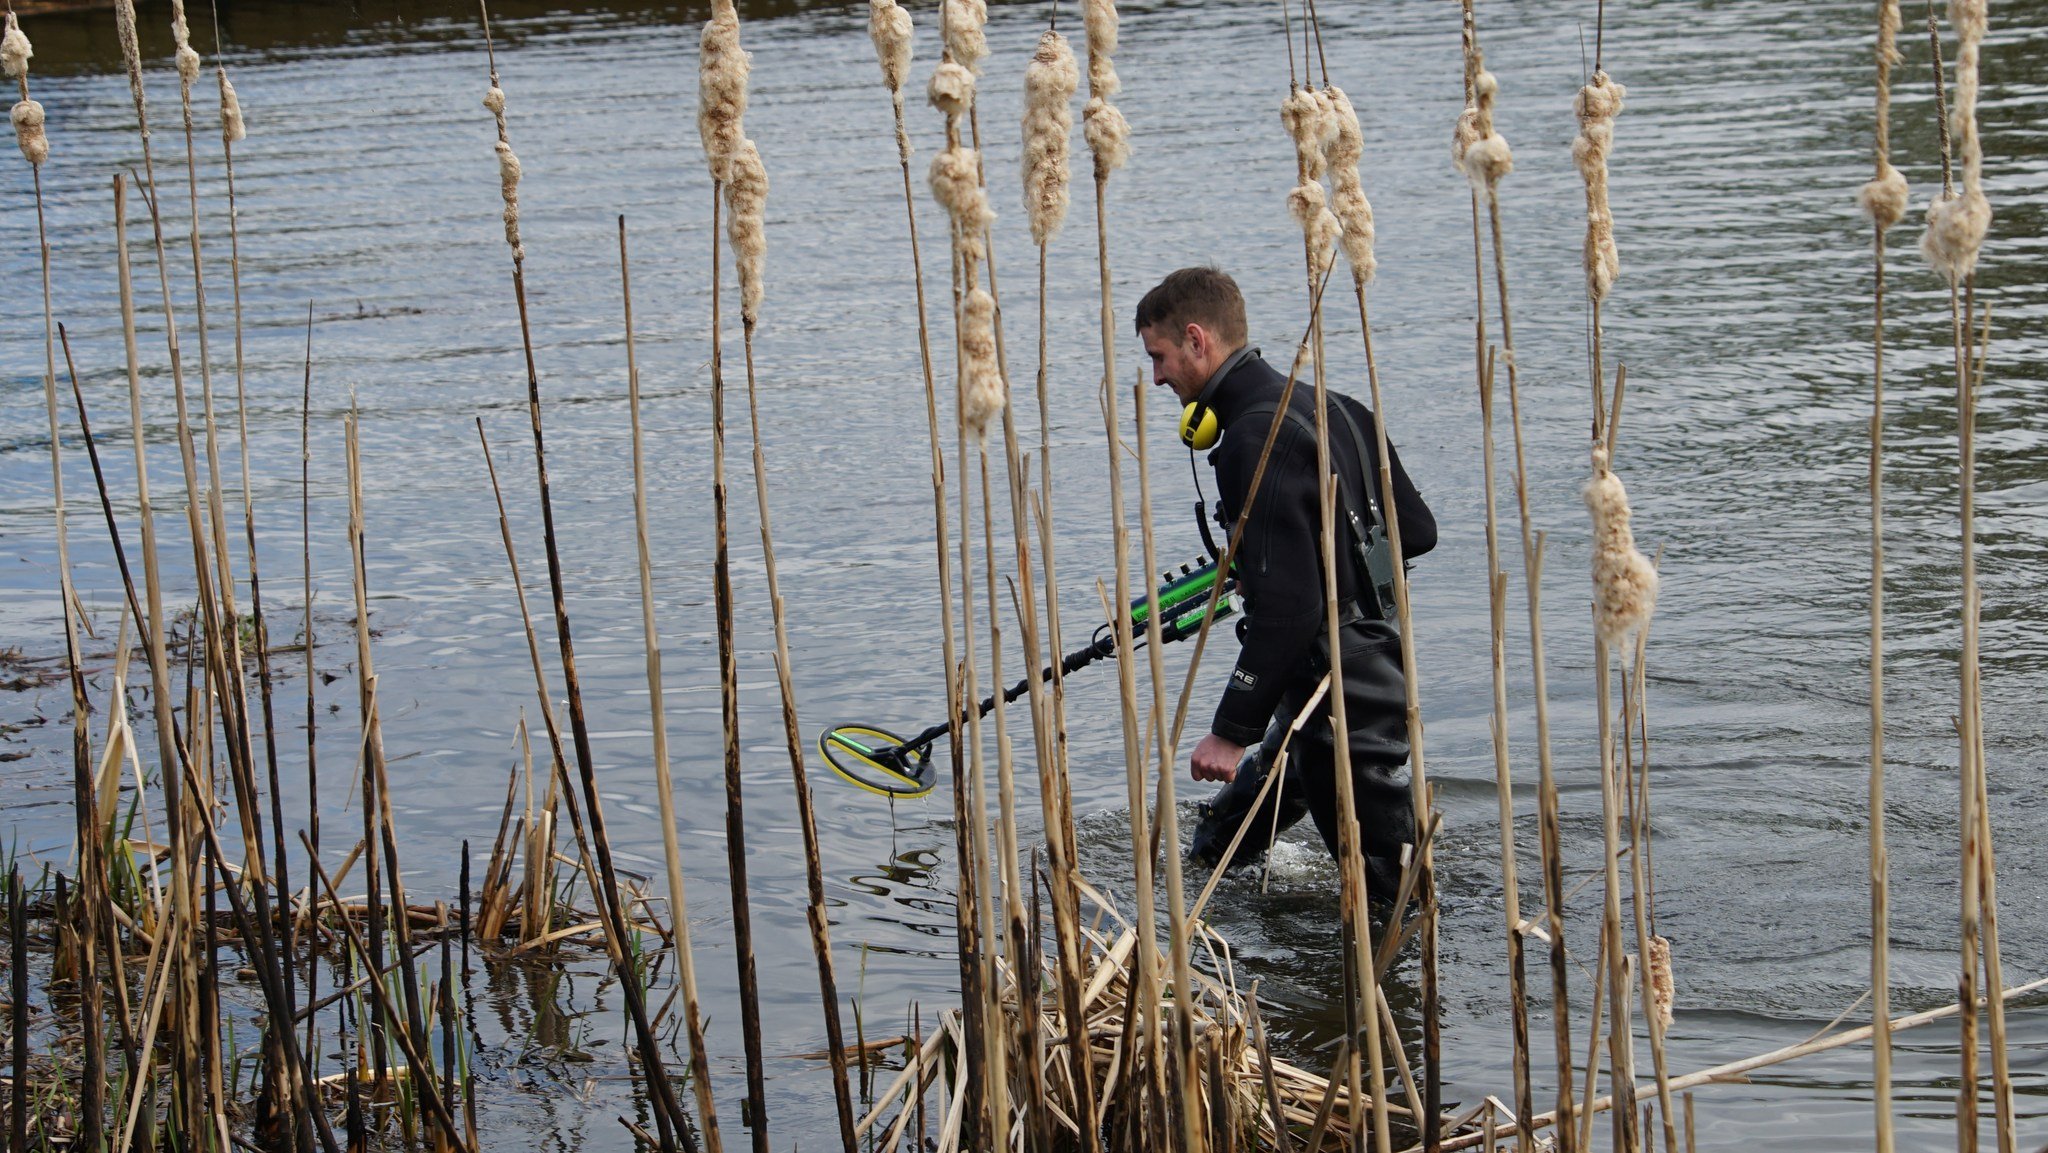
1215,759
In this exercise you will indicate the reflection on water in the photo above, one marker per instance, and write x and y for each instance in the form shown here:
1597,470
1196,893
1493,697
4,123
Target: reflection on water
1742,313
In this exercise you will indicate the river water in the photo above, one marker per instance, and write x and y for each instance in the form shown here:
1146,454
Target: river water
367,189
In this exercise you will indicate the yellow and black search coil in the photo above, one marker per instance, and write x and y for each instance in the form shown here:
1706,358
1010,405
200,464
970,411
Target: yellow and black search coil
887,765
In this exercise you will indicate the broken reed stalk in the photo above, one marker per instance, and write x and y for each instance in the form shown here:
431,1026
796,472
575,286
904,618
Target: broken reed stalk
668,1114
672,854
1654,952
890,28
377,823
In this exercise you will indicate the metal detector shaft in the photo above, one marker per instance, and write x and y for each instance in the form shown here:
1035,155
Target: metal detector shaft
1182,596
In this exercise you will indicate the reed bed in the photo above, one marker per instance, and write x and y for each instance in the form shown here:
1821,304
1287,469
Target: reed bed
133,968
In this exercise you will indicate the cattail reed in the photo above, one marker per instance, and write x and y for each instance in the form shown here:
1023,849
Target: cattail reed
1478,149
1957,222
1884,200
667,1111
1050,82
1108,136
890,29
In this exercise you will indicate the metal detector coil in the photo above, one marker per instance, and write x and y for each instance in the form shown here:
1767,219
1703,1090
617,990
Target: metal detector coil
879,761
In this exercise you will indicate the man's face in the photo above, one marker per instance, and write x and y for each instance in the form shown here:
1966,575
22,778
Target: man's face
1180,360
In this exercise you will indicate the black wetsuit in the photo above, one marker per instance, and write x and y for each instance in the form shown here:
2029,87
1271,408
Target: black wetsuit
1284,629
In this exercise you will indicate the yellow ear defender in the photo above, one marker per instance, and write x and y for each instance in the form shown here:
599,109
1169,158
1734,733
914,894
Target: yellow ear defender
1198,427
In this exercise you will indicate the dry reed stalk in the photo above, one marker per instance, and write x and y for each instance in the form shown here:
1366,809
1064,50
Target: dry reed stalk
722,102
1311,122
1956,225
1733,1071
1185,994
1653,952
1470,131
228,670
1108,136
159,659
537,911
1884,200
668,1114
746,192
679,916
979,389
233,130
377,824
27,117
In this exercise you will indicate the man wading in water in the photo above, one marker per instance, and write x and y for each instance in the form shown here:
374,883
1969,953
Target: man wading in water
1193,328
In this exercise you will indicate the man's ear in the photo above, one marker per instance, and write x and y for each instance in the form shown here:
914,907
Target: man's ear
1198,340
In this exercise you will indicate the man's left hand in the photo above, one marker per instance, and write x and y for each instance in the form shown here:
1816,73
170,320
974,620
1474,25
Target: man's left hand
1215,759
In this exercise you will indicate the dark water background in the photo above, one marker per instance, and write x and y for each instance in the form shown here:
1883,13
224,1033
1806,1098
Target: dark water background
367,187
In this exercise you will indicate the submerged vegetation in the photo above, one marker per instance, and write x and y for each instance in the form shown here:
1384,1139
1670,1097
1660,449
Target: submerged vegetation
206,971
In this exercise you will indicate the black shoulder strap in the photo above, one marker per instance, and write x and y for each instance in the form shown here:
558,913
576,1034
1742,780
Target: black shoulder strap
1365,460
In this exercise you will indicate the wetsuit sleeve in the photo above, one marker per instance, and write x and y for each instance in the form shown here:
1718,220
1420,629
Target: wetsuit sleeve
1418,524
1279,568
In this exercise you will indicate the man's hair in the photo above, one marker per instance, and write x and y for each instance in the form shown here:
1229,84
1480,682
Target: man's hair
1205,296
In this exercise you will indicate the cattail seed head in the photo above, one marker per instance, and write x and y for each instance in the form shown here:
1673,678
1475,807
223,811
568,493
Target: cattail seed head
1347,186
509,173
1487,156
723,67
889,28
1624,580
181,32
1319,226
1049,85
984,391
746,195
1109,136
1306,115
232,128
1957,224
1597,104
131,50
956,184
28,132
1663,988
1885,199
1099,19
965,39
15,50
951,90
